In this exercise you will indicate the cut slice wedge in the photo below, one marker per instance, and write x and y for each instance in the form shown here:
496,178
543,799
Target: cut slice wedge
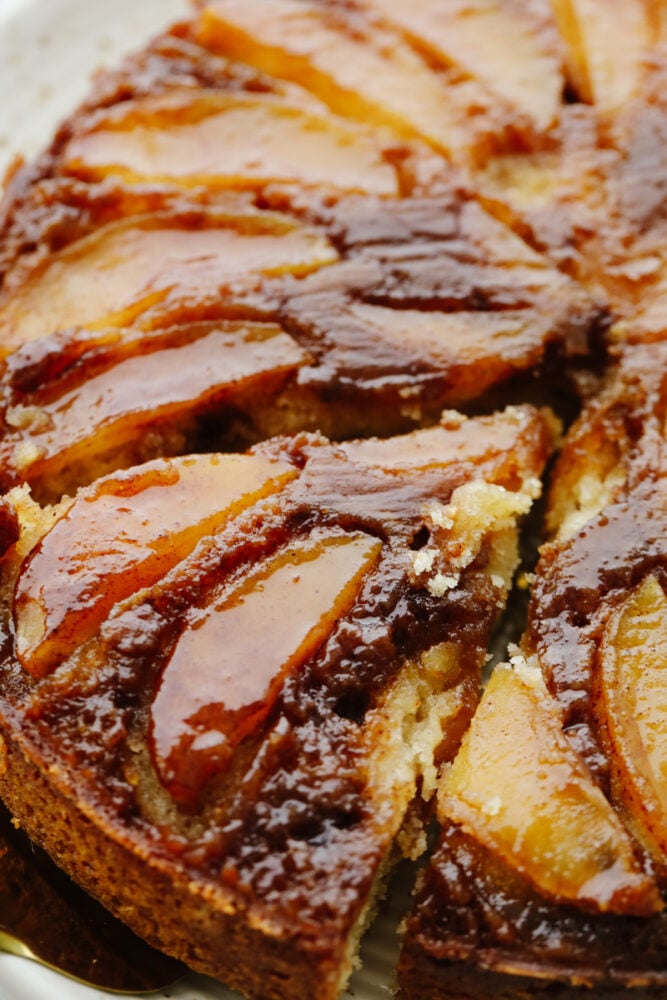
518,787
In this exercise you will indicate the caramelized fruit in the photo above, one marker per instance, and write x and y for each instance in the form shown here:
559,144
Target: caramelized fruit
116,274
510,47
607,44
244,645
518,787
121,534
230,140
97,421
359,69
633,709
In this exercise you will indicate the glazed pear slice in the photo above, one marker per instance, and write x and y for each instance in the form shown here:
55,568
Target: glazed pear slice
114,275
114,409
518,787
122,534
230,140
608,42
358,69
503,448
632,708
245,645
508,45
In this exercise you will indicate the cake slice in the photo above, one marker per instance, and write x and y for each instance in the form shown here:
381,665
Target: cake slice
536,886
360,581
528,892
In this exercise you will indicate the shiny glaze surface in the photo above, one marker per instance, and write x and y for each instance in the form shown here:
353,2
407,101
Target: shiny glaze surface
291,816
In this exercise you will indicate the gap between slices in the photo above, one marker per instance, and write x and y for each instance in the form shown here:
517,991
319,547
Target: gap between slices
122,534
99,419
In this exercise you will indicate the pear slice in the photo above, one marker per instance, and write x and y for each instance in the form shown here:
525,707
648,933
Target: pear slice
113,409
520,789
632,707
505,44
230,140
244,646
358,69
505,448
608,42
122,534
114,275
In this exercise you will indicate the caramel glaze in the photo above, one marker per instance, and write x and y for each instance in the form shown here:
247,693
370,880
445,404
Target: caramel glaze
46,209
599,211
581,580
434,249
290,821
474,907
440,254
432,304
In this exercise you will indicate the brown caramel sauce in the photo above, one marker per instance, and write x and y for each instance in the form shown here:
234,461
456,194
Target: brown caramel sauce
296,788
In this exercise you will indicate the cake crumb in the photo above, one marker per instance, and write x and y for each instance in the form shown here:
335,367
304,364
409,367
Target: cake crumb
493,806
422,561
439,584
25,454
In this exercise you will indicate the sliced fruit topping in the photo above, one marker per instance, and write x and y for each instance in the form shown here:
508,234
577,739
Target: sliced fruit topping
230,140
510,47
632,707
230,663
358,68
115,408
113,276
608,42
520,789
122,534
511,447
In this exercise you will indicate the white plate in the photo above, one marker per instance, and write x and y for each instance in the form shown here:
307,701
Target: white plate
48,50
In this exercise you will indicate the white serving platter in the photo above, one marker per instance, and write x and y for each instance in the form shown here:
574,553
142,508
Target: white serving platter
48,51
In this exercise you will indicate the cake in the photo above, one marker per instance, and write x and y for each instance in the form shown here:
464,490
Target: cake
294,311
231,675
